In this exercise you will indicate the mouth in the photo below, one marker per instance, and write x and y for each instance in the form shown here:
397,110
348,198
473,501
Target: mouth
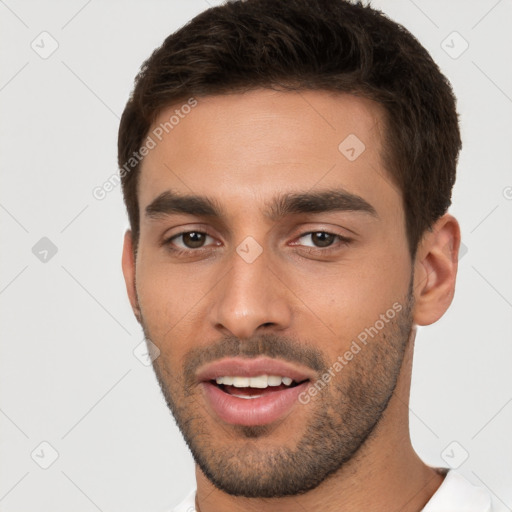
254,387
252,392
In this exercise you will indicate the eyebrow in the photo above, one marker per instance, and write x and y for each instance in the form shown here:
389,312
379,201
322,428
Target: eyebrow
169,202
321,201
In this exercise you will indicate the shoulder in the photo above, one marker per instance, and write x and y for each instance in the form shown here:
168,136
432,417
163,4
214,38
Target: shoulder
456,494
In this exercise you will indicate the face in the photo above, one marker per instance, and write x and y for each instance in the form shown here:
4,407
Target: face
273,274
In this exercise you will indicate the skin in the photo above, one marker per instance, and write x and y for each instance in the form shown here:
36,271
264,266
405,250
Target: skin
242,150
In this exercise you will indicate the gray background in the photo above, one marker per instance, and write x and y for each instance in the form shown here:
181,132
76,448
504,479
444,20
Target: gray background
68,373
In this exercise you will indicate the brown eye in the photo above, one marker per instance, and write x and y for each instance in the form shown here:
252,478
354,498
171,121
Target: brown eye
322,239
190,240
193,240
318,239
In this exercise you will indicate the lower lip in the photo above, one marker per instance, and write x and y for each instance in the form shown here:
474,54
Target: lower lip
253,411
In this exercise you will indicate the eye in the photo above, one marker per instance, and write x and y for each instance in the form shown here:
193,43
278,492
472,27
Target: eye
319,239
191,240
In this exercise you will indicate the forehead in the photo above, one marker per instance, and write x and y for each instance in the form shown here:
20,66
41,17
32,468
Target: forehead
246,147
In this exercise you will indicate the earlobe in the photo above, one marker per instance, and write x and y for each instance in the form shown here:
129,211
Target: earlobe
436,270
128,264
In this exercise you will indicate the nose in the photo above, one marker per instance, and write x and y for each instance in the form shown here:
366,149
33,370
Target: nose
250,297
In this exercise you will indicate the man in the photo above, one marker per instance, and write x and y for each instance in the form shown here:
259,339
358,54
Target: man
287,167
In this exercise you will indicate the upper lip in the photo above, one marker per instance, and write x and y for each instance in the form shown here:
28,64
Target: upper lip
244,367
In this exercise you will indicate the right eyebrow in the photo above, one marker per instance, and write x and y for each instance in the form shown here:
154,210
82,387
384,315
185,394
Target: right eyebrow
168,202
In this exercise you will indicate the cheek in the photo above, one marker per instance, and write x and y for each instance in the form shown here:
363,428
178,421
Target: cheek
348,298
160,297
162,310
171,297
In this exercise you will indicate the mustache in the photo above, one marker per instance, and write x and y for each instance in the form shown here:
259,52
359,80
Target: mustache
269,345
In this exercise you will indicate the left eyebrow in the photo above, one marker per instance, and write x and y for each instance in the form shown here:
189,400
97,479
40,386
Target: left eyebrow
318,202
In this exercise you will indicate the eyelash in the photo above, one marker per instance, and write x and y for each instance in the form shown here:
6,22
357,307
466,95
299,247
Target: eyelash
342,241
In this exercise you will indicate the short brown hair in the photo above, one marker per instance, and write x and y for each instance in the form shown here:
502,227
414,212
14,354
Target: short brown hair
331,45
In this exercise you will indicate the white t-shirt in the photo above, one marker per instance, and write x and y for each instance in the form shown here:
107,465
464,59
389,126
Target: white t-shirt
455,494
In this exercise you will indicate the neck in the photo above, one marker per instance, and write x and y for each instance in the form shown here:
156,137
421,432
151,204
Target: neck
385,474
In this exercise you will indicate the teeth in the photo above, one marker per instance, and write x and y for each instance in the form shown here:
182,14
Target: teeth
258,382
261,381
274,380
228,381
241,382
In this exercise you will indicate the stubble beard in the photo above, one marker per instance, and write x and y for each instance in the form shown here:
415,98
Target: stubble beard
342,417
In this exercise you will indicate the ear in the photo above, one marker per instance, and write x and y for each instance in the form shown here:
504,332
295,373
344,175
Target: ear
128,264
435,270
